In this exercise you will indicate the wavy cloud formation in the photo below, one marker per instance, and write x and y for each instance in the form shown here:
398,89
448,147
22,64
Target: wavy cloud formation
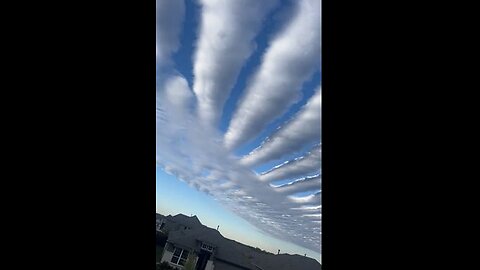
300,185
289,61
225,41
196,153
307,164
302,129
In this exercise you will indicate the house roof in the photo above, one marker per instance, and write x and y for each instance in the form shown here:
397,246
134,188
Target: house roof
191,222
220,265
285,262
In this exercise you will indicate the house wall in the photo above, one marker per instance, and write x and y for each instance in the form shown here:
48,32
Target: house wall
167,256
209,265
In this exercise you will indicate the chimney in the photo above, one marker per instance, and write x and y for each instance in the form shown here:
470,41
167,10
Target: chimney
278,252
218,227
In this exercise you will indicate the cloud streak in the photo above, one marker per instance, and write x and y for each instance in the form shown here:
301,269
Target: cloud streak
302,129
308,183
225,41
309,163
291,58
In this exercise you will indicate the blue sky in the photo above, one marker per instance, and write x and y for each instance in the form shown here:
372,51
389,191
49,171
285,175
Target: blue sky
239,94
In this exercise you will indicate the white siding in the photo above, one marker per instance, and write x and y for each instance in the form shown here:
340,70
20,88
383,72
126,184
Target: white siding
209,265
167,256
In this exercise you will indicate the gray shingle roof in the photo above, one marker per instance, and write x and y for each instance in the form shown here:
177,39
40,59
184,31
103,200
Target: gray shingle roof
220,265
285,262
191,222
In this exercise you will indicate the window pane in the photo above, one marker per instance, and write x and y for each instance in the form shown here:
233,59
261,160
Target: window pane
177,252
175,259
185,254
181,262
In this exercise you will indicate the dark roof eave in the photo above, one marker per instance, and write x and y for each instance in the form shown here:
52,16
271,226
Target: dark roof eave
180,245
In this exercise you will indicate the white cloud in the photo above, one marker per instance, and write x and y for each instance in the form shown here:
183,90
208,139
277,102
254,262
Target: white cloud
311,162
196,154
304,184
308,208
315,198
302,129
290,60
225,41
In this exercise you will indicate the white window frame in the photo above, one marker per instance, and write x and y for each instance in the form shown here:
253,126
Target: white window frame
179,256
207,247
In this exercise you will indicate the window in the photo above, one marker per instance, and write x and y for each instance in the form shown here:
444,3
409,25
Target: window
179,256
207,247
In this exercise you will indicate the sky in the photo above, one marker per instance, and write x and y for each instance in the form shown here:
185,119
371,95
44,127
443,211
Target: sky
238,109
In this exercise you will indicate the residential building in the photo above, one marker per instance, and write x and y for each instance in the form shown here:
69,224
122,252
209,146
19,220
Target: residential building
207,249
